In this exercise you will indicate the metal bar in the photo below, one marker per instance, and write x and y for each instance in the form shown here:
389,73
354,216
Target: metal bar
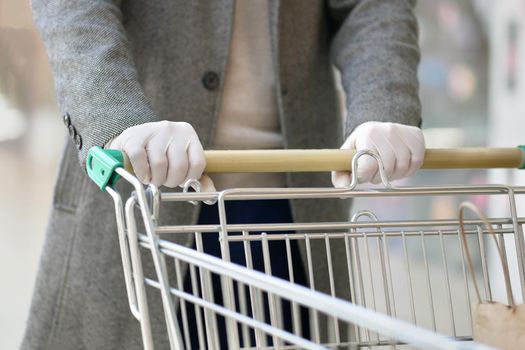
332,284
244,311
171,319
519,239
343,310
197,308
255,295
465,280
324,192
273,302
296,321
317,335
351,276
484,269
370,271
331,226
447,279
138,275
389,287
409,279
370,275
234,316
389,272
184,313
382,265
359,273
124,252
429,286
227,284
210,319
501,240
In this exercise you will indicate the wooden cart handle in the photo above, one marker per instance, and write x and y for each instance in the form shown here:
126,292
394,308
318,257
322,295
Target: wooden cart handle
101,164
254,161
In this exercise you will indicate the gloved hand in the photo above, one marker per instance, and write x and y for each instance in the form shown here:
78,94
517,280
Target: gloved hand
401,148
164,153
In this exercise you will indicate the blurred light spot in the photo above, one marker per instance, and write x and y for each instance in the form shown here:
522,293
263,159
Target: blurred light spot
443,208
448,14
461,82
481,201
12,123
433,73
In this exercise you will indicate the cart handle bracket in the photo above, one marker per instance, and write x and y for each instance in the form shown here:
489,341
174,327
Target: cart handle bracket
101,165
522,147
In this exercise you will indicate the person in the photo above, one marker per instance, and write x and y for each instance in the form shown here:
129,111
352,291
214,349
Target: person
164,80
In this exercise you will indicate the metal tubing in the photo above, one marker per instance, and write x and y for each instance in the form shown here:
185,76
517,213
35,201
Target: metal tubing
345,193
447,279
255,295
332,226
207,295
124,252
342,310
429,286
138,275
197,308
171,319
227,284
356,235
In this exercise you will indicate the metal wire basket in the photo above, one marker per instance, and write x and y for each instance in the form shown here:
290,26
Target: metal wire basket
405,283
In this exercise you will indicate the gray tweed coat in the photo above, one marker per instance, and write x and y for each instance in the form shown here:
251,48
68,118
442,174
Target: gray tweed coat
121,63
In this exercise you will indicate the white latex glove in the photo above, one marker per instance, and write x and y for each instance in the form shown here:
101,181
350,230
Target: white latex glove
401,148
164,153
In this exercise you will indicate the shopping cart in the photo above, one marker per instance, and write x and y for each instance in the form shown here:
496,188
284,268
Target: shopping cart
406,279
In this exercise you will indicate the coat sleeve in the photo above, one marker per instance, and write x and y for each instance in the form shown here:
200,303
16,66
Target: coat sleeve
96,81
375,47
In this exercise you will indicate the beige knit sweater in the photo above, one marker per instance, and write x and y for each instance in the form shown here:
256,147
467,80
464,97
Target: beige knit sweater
248,117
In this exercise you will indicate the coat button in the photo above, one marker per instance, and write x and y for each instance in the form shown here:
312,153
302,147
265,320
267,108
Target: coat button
72,131
211,80
66,119
78,141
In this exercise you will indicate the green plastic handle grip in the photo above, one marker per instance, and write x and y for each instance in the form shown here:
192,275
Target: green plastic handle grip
101,165
522,147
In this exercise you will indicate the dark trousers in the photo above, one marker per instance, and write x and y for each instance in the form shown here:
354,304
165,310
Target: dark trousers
251,212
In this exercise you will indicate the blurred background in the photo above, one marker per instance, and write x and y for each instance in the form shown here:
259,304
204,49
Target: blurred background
472,92
30,141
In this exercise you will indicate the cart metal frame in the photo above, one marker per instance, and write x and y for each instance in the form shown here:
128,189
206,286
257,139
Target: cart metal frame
381,314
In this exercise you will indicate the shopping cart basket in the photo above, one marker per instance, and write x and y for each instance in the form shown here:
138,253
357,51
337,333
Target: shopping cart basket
402,287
